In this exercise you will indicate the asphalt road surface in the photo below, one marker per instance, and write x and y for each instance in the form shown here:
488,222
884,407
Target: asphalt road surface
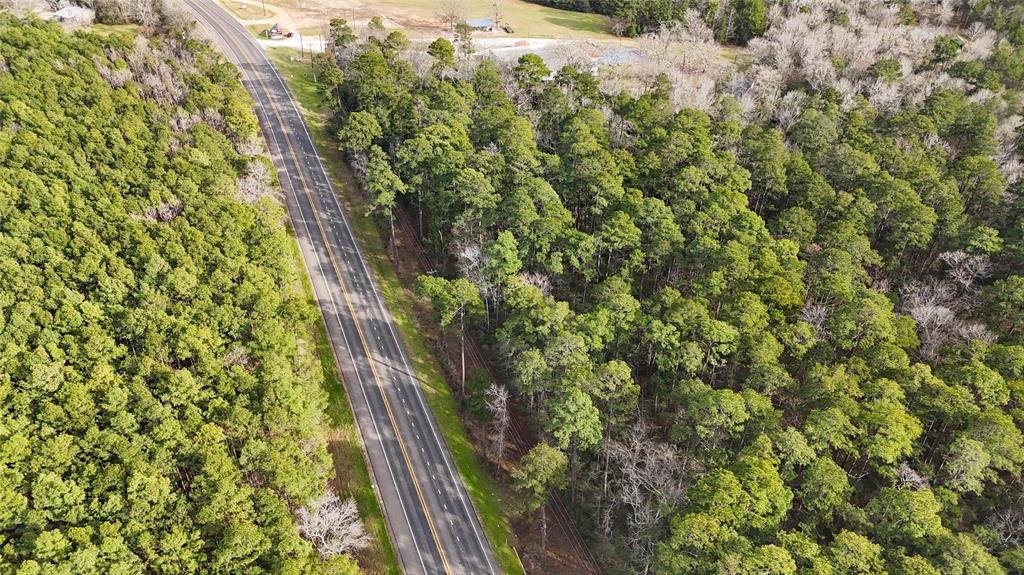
430,516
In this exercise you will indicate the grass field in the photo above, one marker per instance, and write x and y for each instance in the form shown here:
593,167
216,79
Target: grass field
421,17
527,19
352,476
482,488
249,9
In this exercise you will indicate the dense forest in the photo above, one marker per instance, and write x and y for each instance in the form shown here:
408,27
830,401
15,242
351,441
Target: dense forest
780,334
160,409
738,21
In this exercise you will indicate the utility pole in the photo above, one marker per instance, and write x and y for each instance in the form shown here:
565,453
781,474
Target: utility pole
264,2
497,12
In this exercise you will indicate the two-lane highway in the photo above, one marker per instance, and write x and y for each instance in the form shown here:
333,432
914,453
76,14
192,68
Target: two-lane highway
433,524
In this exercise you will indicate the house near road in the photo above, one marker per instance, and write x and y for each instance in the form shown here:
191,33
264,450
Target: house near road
482,24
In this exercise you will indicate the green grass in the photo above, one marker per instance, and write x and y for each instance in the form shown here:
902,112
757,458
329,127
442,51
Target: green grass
740,57
352,475
482,488
527,19
251,10
107,29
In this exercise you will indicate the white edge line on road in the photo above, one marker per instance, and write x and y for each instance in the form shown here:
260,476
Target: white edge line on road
334,306
445,452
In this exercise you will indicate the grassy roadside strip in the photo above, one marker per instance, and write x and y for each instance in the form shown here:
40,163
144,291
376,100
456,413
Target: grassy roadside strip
481,487
352,474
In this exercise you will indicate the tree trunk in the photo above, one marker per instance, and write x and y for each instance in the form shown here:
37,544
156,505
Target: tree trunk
543,527
487,309
462,349
572,469
604,489
419,209
500,451
607,460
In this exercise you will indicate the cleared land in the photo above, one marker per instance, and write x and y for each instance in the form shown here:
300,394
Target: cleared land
422,17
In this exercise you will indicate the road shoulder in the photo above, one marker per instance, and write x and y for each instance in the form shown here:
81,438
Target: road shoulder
481,487
348,455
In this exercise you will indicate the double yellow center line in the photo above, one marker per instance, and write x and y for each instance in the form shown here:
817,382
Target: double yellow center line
227,36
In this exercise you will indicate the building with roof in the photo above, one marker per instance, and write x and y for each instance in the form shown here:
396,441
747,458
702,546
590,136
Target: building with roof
482,24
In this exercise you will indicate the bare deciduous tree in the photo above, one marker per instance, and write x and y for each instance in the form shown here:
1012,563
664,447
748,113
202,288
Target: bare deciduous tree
238,355
250,146
174,15
537,280
936,305
931,305
974,331
116,77
420,61
471,262
1008,525
254,184
966,269
164,212
142,12
805,45
333,526
908,477
789,108
497,404
1008,156
20,7
981,43
648,484
815,315
151,68
451,13
695,28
